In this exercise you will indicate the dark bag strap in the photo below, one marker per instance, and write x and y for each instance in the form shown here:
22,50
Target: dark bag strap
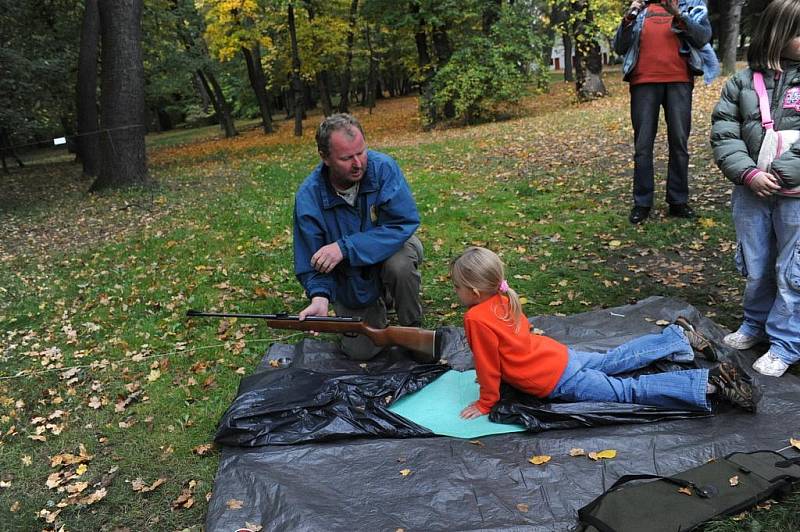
788,462
677,481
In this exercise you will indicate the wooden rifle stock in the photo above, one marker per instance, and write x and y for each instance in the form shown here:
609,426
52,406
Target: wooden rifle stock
425,343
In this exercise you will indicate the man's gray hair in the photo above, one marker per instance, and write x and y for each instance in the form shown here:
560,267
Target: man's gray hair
336,122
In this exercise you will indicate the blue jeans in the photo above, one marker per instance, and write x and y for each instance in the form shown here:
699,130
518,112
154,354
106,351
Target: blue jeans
646,102
768,254
590,376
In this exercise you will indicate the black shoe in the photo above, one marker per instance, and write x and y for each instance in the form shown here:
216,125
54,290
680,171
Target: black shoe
682,211
638,214
735,385
698,342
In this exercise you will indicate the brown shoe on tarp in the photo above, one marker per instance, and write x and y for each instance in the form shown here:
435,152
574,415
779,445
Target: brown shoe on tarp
698,342
734,385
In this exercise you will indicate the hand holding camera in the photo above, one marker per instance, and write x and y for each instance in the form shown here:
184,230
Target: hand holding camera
671,6
634,10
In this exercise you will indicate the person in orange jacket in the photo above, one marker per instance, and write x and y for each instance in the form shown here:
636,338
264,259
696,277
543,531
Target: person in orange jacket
504,349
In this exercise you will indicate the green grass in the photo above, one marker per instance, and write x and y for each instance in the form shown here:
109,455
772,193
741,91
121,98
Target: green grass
216,234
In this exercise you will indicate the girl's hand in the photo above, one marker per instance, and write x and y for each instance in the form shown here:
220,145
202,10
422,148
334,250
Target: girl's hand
471,412
764,185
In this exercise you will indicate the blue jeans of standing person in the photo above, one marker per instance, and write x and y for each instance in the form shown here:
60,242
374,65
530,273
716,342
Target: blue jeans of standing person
768,255
591,376
646,102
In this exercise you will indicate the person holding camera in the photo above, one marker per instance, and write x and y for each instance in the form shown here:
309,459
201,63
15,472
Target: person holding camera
659,41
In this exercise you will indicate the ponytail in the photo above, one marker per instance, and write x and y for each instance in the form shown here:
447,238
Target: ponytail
513,309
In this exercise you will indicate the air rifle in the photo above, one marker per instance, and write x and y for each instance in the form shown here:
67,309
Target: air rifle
424,343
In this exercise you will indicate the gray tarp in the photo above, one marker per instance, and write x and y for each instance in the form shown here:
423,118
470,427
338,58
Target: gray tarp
356,484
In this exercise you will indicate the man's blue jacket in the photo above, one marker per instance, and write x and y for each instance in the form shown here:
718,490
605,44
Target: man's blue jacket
383,218
694,33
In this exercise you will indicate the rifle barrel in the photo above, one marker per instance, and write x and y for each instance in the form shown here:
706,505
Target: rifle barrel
421,341
281,316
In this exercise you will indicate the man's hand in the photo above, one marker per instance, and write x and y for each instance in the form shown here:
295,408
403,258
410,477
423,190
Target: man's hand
764,185
671,6
471,412
318,307
326,258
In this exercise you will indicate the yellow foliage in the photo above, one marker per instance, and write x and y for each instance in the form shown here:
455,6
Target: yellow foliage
234,24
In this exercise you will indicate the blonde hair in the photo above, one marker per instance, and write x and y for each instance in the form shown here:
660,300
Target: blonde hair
482,270
778,24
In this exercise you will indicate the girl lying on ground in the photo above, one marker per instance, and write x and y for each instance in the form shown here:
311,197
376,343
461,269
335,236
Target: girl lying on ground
504,349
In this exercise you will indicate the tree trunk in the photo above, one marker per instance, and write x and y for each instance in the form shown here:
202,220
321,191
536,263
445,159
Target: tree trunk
88,144
324,93
258,82
123,161
588,59
205,97
441,43
221,105
568,75
297,84
426,70
490,15
372,77
321,77
308,98
730,18
288,102
344,102
559,17
6,148
164,121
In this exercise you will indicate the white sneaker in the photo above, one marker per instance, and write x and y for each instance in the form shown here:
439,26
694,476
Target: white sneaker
770,365
740,341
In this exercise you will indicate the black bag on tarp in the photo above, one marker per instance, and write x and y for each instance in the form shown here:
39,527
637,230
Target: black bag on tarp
296,405
693,497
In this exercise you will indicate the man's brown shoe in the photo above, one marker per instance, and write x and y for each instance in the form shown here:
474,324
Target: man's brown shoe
735,385
698,342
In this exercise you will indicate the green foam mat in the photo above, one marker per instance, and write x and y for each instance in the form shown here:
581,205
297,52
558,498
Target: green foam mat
437,407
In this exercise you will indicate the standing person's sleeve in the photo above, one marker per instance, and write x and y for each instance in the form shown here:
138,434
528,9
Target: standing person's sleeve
730,150
397,219
486,352
696,29
308,236
623,38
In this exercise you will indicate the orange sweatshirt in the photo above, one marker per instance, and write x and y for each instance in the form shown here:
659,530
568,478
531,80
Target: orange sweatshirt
529,362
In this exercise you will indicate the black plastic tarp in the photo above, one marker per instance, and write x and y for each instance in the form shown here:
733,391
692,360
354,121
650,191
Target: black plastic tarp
450,484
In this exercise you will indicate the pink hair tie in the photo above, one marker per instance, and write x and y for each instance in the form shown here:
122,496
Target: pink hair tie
503,286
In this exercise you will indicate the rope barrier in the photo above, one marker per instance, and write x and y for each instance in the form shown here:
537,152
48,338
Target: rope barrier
76,135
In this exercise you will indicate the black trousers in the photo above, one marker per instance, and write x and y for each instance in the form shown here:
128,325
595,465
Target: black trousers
646,101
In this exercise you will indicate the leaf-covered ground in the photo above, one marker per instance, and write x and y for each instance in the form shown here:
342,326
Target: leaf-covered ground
109,396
